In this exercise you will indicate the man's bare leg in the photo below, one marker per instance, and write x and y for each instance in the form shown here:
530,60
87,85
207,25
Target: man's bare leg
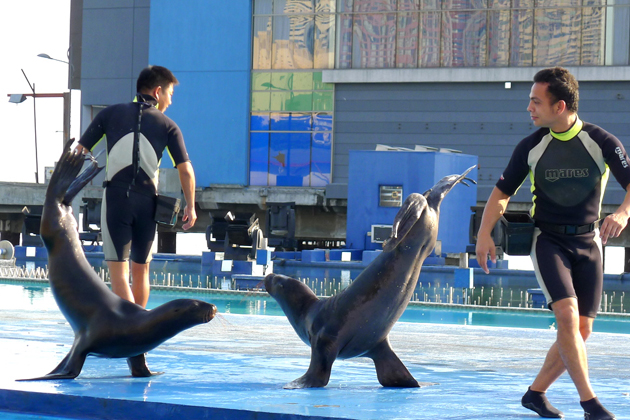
119,277
140,283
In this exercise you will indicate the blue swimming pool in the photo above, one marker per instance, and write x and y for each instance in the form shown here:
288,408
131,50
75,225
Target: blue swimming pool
38,297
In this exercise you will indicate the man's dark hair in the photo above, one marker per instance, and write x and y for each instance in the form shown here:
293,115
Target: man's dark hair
562,86
154,76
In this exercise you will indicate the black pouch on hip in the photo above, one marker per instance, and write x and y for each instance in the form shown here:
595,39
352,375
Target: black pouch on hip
166,210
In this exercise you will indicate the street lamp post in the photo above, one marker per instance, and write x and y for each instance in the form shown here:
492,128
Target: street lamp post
18,98
67,97
32,86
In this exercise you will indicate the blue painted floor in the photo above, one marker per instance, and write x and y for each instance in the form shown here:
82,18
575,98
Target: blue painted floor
235,367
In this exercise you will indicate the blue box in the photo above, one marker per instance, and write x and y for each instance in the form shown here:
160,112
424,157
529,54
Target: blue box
263,256
415,172
314,255
287,255
208,257
336,254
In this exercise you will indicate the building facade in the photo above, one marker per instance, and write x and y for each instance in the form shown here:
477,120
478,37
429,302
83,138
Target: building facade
274,94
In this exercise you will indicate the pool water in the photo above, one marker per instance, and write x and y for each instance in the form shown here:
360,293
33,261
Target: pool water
38,297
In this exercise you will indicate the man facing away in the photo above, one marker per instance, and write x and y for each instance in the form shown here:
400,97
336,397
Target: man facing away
568,161
129,197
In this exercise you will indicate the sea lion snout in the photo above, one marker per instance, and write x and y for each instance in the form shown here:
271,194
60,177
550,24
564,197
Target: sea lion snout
271,282
208,310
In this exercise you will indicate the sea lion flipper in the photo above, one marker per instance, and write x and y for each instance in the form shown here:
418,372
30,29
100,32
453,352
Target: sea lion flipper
406,217
323,355
391,372
69,368
65,172
82,180
138,367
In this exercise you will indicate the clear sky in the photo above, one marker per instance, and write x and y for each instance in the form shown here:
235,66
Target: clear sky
31,27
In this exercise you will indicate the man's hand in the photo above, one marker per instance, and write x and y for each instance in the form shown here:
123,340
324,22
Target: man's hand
485,246
612,226
190,217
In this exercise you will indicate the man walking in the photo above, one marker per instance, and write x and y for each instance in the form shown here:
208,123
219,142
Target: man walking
137,133
568,161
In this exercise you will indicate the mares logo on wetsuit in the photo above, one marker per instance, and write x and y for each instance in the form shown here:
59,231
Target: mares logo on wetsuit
622,158
552,175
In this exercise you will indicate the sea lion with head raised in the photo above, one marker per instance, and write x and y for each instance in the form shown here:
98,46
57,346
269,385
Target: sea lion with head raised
357,321
104,324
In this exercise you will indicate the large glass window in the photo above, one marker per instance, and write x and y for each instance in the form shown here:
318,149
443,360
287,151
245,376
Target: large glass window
344,34
291,129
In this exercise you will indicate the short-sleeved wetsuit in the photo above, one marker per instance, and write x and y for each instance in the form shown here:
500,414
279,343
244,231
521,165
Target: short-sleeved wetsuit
568,173
127,221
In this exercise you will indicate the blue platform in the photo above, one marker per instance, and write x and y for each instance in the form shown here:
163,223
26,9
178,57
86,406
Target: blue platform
235,366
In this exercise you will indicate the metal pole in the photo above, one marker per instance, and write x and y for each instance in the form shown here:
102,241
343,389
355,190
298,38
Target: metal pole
35,126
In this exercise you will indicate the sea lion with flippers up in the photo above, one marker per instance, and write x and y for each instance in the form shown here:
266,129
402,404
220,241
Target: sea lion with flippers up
104,324
357,321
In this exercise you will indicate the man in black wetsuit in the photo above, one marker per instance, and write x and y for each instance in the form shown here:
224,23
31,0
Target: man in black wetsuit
127,218
568,161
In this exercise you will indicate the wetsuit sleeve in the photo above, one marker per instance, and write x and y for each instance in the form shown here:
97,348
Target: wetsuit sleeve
175,147
617,160
516,170
94,132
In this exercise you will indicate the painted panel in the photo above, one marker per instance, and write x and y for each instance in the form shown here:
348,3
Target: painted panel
215,131
261,81
259,122
281,81
258,158
322,122
261,45
101,47
302,81
318,84
291,101
216,35
289,159
290,122
141,19
323,101
261,101
321,159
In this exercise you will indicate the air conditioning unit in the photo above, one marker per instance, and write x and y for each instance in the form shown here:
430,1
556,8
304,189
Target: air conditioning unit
380,233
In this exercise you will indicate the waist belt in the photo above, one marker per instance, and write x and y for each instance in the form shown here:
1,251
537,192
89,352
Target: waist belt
128,187
567,229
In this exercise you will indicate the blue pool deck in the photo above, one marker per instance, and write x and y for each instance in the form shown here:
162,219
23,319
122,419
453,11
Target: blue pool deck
235,366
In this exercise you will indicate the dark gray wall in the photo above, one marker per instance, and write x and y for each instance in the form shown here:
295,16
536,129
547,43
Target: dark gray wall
482,119
115,47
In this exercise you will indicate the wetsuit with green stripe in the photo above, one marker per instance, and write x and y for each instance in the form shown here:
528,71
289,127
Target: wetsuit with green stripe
127,223
568,173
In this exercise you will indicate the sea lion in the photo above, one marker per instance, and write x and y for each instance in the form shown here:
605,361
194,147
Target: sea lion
357,321
104,324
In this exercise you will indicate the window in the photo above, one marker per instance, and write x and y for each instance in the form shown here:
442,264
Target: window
291,129
344,34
